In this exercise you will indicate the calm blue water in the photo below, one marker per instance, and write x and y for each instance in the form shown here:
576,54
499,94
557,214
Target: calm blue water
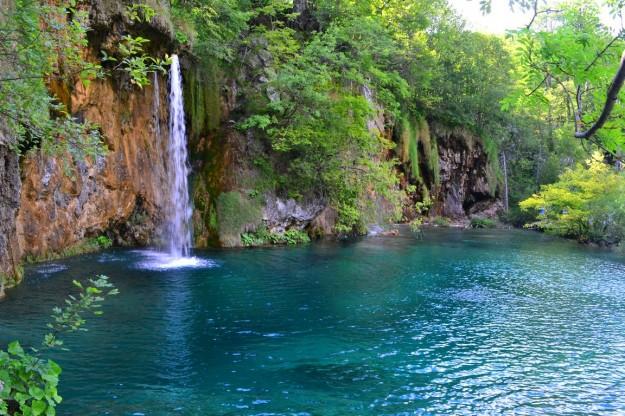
462,322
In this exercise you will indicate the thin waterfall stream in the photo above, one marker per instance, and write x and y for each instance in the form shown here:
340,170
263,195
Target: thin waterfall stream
178,229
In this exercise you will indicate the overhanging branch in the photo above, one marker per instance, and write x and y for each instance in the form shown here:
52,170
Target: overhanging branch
612,96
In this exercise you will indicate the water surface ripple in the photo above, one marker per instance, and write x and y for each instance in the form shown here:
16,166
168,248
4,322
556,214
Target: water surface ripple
461,322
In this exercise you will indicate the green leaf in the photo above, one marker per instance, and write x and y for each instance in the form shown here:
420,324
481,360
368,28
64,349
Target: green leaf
36,392
15,349
38,407
54,368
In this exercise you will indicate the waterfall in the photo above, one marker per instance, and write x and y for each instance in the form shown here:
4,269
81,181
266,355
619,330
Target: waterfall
178,226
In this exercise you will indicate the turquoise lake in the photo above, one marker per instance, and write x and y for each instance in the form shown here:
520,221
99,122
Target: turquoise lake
459,322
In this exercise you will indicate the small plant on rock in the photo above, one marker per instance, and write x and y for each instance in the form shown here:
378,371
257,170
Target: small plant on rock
440,222
482,223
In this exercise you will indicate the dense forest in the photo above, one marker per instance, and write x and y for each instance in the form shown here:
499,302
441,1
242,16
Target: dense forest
323,72
305,119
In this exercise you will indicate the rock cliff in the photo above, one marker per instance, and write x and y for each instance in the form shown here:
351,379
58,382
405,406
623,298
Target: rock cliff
467,183
64,201
50,205
120,193
10,272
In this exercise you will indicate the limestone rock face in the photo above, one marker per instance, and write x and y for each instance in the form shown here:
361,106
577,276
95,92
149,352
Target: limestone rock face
120,193
468,183
323,224
280,215
9,202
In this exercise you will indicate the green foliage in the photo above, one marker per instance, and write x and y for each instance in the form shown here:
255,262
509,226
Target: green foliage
409,139
318,125
262,237
587,203
292,237
415,225
140,13
422,207
131,57
471,75
11,279
440,222
564,64
211,27
42,44
252,240
103,241
32,34
320,90
477,222
28,382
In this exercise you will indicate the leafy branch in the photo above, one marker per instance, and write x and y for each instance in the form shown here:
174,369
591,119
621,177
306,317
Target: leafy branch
29,383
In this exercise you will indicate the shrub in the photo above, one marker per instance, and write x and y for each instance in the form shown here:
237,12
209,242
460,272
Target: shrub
440,222
587,203
292,237
415,225
103,241
517,217
264,237
482,223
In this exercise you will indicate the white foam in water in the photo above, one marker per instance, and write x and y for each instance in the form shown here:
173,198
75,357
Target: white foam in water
374,229
155,260
51,268
108,258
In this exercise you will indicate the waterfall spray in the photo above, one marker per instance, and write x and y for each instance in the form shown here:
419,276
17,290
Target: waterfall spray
178,227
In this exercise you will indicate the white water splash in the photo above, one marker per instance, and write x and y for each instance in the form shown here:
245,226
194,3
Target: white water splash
154,260
178,227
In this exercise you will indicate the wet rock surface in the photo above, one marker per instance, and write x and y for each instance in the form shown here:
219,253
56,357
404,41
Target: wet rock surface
280,215
65,201
468,184
9,203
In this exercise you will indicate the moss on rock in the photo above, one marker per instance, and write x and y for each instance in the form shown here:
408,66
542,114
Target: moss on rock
237,214
88,245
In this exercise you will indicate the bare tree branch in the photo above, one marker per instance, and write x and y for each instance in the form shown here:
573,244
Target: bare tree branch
537,12
604,50
538,86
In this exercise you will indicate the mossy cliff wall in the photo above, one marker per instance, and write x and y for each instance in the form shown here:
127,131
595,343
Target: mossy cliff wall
61,203
64,202
10,272
449,167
